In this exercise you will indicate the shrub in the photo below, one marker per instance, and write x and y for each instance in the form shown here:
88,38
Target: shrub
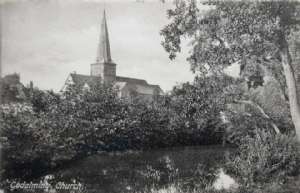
57,129
22,142
195,109
264,158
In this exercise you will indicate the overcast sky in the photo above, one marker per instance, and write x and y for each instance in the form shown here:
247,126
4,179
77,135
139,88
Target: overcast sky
45,40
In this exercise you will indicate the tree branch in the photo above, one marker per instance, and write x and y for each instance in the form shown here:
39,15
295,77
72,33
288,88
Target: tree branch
249,102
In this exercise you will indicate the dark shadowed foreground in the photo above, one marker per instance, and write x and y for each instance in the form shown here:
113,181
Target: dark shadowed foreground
187,167
138,171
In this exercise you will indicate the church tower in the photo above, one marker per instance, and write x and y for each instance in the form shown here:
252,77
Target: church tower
104,66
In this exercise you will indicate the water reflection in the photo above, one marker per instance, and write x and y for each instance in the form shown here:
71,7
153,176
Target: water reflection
188,168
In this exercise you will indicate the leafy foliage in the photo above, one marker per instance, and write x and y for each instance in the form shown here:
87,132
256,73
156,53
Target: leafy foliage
263,158
196,107
51,130
245,32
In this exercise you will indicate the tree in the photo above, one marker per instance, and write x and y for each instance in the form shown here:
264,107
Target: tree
254,34
194,107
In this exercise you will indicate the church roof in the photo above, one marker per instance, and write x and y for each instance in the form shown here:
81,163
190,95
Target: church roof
142,86
80,79
147,89
131,80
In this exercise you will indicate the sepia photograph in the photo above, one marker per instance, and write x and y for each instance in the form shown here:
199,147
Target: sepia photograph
149,96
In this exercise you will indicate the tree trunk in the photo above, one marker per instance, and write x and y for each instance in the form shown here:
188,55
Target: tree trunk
291,87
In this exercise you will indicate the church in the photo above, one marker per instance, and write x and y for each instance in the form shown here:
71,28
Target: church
104,70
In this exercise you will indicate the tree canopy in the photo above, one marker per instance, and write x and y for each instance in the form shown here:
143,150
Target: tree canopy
254,34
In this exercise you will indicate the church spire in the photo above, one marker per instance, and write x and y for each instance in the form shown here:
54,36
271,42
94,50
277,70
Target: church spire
104,66
103,54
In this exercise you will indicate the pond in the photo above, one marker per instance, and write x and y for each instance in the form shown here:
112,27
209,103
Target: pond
190,167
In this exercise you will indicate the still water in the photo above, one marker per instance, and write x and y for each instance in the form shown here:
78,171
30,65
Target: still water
189,167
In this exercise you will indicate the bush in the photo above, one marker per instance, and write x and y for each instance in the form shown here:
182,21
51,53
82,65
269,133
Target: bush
195,109
53,130
265,158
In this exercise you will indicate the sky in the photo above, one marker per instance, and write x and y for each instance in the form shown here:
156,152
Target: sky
45,40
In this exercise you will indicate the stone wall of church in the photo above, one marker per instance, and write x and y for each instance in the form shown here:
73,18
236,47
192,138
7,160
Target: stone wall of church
107,71
96,69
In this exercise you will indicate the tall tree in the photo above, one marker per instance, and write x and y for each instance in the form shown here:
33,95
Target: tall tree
254,34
